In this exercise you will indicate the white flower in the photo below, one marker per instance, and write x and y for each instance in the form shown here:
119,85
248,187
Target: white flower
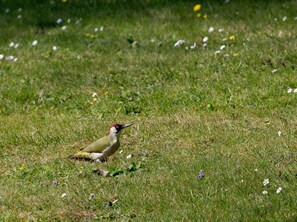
179,43
35,42
211,29
129,156
265,192
295,18
295,90
279,133
15,59
279,190
227,1
193,46
256,170
284,18
20,9
224,39
94,94
290,90
7,10
221,30
59,21
266,182
69,20
19,16
101,28
222,47
11,44
16,45
205,39
275,19
1,56
96,30
92,196
217,52
205,44
226,55
9,58
274,71
55,48
64,27
64,195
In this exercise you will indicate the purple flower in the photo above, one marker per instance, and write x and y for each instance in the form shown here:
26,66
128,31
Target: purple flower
200,175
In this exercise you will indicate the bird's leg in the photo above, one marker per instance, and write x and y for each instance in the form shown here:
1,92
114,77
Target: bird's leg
99,157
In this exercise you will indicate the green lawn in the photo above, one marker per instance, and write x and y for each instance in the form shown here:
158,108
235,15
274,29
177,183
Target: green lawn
227,107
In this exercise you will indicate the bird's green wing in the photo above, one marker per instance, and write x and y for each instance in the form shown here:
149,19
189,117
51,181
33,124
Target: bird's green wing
98,146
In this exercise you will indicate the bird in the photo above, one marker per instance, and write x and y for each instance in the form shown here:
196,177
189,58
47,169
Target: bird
104,147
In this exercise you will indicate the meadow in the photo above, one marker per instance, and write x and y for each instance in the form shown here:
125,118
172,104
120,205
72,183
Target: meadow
212,94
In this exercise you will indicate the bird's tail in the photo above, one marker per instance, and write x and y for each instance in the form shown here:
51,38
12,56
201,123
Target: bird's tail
80,155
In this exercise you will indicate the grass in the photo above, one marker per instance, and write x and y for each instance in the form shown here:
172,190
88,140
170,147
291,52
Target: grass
231,116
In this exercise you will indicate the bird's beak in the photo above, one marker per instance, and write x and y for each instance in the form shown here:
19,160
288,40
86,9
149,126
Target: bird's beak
127,125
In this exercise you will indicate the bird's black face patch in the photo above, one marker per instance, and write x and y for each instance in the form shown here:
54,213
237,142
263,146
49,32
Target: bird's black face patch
119,128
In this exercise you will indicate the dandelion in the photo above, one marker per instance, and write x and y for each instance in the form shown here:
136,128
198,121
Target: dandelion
290,90
199,15
200,175
1,56
34,43
205,39
279,190
265,192
222,47
211,29
197,7
232,37
179,43
266,182
59,21
205,16
55,48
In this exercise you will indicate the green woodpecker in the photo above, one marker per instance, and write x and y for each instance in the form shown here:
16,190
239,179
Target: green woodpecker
104,147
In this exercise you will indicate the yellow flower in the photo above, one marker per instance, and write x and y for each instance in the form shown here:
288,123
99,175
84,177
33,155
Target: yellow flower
92,36
232,37
199,15
205,16
64,1
197,7
87,35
